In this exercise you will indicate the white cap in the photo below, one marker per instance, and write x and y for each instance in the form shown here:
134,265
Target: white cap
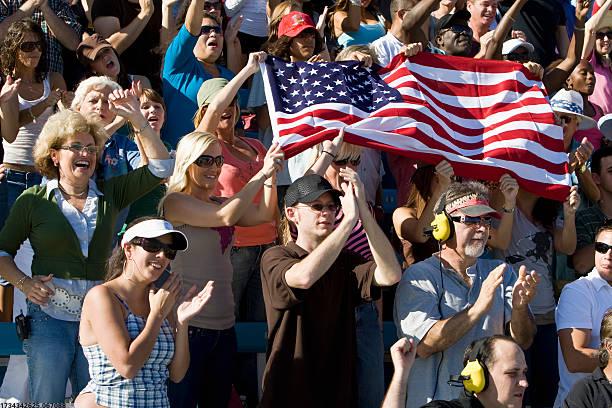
568,101
515,43
605,126
155,228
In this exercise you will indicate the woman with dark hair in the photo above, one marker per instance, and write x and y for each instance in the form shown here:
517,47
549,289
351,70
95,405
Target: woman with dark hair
23,56
598,49
132,336
356,22
596,389
101,59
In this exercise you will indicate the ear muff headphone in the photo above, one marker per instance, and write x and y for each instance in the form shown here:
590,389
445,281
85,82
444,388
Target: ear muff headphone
475,375
443,228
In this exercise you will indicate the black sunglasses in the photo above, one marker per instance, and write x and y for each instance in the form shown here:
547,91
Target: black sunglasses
28,46
206,160
518,56
602,247
344,162
600,35
471,221
206,29
153,245
209,5
460,29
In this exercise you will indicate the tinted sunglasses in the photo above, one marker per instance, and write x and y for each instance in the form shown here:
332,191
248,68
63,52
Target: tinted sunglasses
602,248
600,35
317,207
79,148
344,162
28,46
472,221
206,29
206,160
153,246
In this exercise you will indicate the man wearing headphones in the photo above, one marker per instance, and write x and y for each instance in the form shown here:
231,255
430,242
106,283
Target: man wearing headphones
494,375
454,297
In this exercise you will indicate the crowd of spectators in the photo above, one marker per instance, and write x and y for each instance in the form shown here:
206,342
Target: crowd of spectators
146,207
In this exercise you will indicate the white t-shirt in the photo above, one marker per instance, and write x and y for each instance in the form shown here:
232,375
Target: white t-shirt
581,306
386,48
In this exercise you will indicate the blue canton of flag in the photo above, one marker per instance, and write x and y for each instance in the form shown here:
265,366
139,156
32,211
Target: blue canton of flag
302,84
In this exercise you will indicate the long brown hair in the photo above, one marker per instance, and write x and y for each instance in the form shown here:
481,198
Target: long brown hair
12,41
281,47
419,192
117,260
605,334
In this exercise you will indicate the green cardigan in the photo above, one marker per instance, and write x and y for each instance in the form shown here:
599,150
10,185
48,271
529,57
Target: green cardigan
56,247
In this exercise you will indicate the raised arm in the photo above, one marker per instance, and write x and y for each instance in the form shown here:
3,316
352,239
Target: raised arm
122,38
329,151
193,18
62,24
403,353
184,209
127,105
224,98
501,31
555,79
388,271
417,16
24,11
501,236
168,25
9,109
591,27
309,270
235,61
347,22
565,238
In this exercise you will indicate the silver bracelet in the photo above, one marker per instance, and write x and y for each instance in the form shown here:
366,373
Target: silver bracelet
142,128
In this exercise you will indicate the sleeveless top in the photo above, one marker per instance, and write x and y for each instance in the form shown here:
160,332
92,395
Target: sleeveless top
208,258
20,151
366,34
148,389
235,174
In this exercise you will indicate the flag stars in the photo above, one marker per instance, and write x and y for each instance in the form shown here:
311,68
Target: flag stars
316,83
329,88
280,72
326,76
304,82
293,80
301,70
319,94
314,72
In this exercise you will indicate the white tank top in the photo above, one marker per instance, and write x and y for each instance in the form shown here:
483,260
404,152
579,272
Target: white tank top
20,151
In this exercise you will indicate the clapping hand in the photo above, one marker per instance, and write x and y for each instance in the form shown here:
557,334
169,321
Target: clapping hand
9,89
525,288
193,303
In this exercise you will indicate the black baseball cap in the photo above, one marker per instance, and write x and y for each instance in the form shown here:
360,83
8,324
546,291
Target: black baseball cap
308,188
461,17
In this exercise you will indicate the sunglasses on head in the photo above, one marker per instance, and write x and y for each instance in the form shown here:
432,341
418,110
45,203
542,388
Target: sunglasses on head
207,29
472,221
153,246
206,160
602,247
600,35
29,46
344,162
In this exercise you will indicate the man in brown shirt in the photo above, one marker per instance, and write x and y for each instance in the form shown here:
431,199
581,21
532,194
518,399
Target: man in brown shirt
311,288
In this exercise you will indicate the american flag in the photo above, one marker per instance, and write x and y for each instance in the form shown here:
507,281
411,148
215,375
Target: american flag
486,118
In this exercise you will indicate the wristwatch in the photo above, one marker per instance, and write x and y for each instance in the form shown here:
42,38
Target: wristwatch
508,210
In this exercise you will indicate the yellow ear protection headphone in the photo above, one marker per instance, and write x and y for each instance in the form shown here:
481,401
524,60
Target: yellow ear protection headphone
443,228
475,375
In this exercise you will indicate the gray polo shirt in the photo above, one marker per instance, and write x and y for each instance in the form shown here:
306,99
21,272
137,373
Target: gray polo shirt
416,311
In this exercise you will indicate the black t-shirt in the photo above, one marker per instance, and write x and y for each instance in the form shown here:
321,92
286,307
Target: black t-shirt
465,402
539,20
592,391
142,57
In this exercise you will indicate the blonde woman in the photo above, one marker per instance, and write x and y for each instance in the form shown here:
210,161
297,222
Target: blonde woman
208,222
69,222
